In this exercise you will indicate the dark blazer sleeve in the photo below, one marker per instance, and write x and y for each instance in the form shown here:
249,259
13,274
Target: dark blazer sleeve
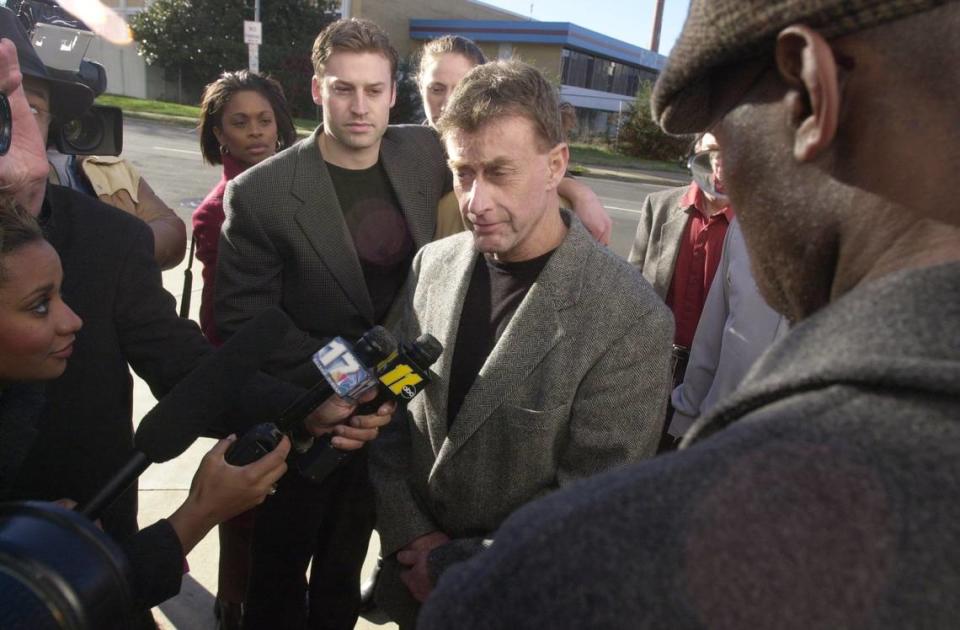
162,347
249,280
156,561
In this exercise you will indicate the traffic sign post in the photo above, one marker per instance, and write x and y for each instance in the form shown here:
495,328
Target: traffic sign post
253,37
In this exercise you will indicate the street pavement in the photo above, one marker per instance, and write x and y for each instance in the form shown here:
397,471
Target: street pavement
168,156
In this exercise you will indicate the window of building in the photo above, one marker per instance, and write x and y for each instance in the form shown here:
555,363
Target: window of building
580,69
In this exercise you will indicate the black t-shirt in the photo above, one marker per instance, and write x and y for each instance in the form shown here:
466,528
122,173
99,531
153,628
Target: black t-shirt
380,233
496,290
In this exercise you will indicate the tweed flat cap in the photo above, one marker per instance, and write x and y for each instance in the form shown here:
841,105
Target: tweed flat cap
720,33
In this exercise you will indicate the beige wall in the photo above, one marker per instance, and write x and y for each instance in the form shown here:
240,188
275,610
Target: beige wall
395,15
543,56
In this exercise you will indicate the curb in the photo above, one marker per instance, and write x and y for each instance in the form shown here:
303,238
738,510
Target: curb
185,121
182,121
629,176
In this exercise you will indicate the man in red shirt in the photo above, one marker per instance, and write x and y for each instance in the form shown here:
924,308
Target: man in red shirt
679,242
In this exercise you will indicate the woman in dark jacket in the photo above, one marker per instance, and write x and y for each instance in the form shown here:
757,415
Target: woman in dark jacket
37,334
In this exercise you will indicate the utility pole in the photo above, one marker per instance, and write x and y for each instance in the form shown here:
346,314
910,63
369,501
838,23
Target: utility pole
657,24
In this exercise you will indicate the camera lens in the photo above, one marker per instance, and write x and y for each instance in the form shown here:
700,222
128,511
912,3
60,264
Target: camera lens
6,125
83,134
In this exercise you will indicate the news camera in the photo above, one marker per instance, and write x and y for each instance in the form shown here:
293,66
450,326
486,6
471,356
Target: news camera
61,41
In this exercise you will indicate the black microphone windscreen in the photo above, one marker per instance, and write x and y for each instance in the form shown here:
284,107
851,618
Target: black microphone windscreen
210,389
375,345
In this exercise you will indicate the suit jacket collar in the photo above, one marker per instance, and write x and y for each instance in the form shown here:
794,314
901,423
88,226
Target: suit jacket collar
321,217
539,323
671,233
409,188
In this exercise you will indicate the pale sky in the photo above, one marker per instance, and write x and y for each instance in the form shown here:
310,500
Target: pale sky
627,20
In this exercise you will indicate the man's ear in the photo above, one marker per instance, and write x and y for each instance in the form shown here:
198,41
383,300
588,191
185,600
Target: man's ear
393,94
807,65
557,161
315,90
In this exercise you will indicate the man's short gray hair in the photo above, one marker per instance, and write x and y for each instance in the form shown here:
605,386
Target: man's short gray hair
498,89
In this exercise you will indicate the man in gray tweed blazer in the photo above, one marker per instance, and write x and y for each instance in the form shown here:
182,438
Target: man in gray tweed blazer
555,353
825,491
327,230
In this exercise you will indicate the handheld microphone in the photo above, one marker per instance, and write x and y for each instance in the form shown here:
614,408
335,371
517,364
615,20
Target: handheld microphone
401,376
405,373
347,372
207,392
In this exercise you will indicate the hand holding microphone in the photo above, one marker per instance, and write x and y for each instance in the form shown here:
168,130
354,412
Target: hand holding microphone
351,373
398,376
350,431
220,491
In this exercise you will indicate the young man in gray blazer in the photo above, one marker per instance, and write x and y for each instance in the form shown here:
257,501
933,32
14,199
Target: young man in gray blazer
327,230
555,353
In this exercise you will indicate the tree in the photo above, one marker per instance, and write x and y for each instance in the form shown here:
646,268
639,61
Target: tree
407,109
641,137
202,38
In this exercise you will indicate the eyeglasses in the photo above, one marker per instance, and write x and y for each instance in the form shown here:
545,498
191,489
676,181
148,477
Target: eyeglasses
705,167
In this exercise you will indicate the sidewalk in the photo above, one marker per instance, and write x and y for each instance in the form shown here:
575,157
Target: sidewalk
163,488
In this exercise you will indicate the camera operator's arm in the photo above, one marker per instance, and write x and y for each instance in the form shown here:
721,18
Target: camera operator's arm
169,231
117,183
23,170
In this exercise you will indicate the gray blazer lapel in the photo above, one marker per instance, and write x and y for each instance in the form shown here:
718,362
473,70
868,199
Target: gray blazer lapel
670,234
321,219
409,189
447,292
535,329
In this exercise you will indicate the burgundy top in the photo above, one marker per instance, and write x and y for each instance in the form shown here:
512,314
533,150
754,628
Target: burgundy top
207,219
697,262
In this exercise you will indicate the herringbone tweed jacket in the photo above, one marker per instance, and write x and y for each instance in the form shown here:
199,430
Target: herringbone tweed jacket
577,384
285,242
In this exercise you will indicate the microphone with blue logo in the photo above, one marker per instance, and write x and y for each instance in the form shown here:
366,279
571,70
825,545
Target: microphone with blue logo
349,371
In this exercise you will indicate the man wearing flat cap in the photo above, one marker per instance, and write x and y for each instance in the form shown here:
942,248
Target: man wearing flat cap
825,491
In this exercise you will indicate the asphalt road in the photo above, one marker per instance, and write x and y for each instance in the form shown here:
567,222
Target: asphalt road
169,158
